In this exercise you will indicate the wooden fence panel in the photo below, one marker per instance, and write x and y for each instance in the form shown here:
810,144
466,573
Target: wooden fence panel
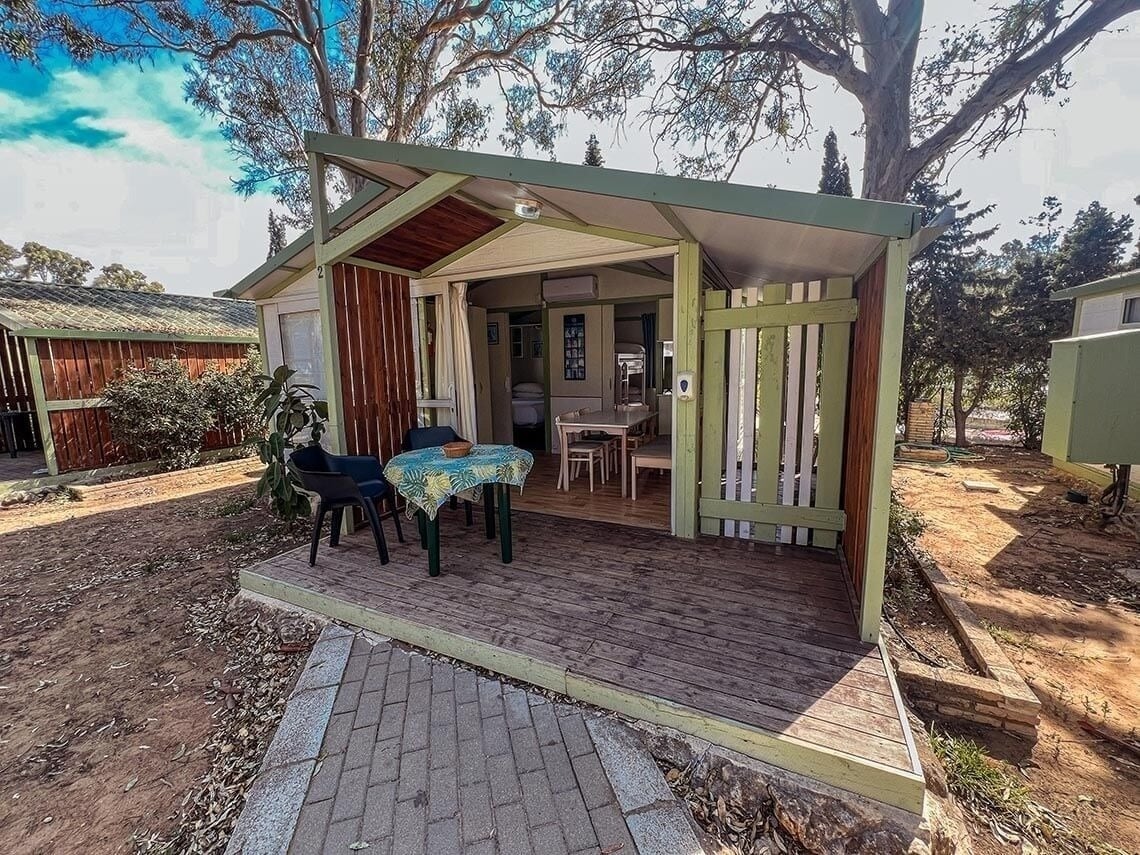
16,393
374,328
78,370
779,393
861,399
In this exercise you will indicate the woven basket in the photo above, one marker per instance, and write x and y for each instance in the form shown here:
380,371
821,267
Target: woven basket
456,449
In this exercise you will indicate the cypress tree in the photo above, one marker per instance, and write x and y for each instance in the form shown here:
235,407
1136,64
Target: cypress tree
593,152
835,178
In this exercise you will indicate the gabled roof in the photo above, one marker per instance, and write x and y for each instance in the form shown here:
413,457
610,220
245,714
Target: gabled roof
1117,282
35,309
750,234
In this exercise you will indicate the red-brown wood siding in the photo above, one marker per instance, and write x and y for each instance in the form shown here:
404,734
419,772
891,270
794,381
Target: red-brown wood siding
374,333
76,368
435,233
16,392
862,395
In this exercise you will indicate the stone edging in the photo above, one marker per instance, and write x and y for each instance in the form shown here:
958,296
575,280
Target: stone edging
1000,699
273,803
658,822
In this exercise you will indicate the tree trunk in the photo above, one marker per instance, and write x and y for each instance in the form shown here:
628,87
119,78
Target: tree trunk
890,48
887,141
961,413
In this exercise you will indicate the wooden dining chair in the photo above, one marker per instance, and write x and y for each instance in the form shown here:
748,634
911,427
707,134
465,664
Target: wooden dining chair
581,451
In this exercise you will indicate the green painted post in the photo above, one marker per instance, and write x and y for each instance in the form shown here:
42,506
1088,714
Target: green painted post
770,404
329,340
687,359
713,422
886,417
39,395
832,411
505,544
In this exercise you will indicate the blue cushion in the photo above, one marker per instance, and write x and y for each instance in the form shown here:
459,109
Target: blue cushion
373,489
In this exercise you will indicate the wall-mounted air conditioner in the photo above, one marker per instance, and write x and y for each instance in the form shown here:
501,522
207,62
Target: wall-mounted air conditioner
570,288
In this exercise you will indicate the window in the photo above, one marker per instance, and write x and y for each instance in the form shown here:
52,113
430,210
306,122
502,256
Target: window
1132,310
301,348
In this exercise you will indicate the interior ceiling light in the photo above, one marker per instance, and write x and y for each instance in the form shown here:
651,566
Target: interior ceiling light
528,209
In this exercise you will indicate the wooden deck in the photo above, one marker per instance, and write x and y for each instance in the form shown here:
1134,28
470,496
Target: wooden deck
751,646
605,504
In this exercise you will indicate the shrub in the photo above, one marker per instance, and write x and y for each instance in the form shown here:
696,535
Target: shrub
293,417
232,397
159,413
904,527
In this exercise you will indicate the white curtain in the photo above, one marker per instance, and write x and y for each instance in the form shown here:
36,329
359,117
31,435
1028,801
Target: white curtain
465,423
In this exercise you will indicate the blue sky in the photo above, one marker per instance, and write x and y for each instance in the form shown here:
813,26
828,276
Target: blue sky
110,163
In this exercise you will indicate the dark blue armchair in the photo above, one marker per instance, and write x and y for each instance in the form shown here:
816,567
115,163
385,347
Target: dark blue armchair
342,481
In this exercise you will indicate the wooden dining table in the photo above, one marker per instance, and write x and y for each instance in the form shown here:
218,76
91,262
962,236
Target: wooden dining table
615,422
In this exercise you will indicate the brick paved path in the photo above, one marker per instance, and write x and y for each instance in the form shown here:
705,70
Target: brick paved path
423,757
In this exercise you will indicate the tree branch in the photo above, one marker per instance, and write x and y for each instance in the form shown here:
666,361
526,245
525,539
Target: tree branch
1014,76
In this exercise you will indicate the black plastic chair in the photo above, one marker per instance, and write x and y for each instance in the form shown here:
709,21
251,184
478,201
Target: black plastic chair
433,437
342,481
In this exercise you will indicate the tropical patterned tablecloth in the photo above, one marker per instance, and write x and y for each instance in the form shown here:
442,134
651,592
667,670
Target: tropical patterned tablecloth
428,479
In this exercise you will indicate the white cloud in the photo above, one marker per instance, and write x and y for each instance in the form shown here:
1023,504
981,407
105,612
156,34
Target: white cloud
158,198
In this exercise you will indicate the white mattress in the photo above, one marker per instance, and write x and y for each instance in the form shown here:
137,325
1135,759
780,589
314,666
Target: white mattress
528,412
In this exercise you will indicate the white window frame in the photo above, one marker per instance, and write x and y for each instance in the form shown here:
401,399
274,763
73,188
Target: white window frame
1124,322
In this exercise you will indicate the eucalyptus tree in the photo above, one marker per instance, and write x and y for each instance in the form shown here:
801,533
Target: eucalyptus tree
724,75
422,71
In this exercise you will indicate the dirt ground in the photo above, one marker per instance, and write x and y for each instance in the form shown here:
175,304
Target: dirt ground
1045,579
106,694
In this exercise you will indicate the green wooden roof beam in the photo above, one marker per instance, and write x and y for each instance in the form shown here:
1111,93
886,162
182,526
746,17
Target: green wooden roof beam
349,209
865,216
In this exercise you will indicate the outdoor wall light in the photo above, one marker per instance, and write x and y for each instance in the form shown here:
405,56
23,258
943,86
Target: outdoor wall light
528,209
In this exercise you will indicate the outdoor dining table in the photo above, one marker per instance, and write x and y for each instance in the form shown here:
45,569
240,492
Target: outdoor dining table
427,479
616,422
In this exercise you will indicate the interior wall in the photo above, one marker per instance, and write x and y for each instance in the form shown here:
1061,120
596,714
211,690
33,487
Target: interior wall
516,292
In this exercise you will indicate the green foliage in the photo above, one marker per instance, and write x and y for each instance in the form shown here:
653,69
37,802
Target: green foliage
953,330
976,779
293,418
53,265
904,528
8,256
159,413
232,396
1093,247
276,229
593,152
120,276
835,179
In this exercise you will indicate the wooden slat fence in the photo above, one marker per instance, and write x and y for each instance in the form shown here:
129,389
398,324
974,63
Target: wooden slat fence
16,393
377,368
775,379
860,441
75,373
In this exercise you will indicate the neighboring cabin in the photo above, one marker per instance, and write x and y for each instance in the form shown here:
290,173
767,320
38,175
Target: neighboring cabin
61,344
1093,414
